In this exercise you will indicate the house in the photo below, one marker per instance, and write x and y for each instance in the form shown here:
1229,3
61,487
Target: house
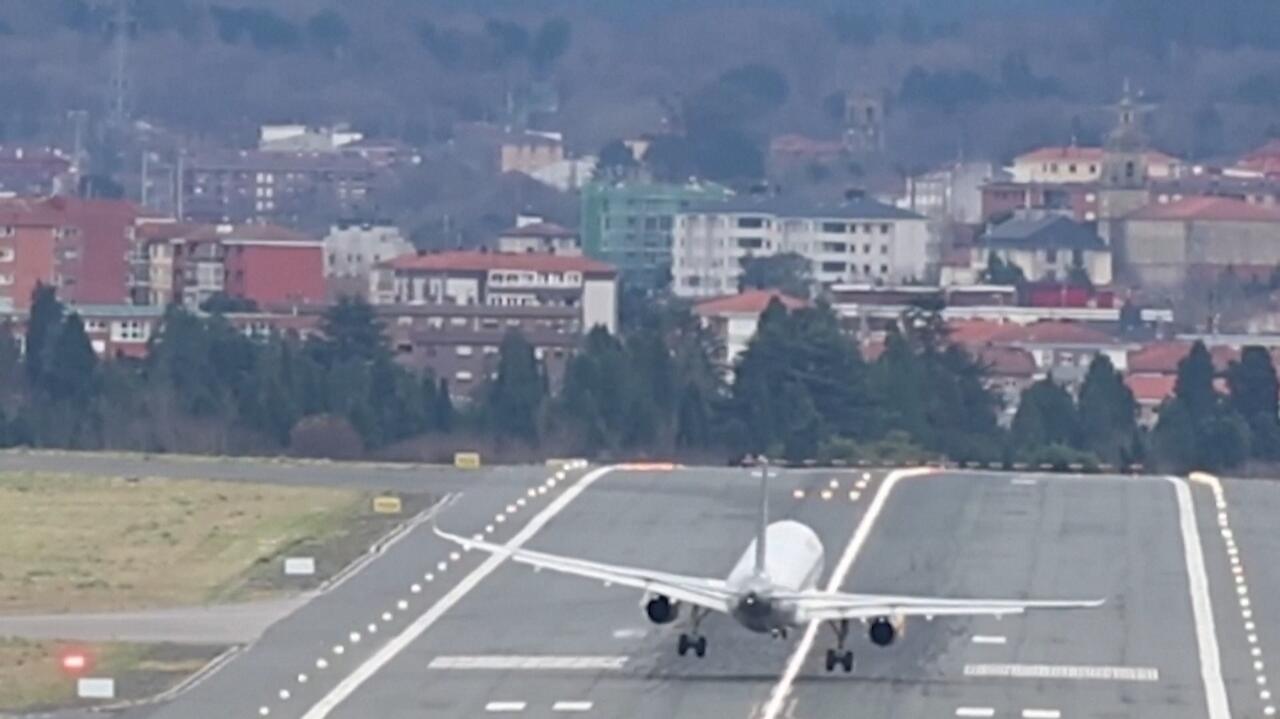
1075,164
1002,199
1008,371
1060,349
733,319
952,193
530,151
1048,247
856,240
35,171
448,312
1198,238
1264,162
533,234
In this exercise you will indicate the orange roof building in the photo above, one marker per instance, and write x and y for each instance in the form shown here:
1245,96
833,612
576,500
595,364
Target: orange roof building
1197,239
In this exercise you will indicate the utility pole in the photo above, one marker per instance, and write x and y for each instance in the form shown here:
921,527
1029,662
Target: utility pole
121,84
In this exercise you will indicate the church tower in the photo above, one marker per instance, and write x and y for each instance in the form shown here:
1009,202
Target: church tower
1122,186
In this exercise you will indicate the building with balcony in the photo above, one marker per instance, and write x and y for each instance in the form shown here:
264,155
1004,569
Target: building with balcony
858,240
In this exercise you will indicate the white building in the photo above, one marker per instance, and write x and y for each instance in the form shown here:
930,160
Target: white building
859,240
1050,247
952,192
534,234
501,280
353,249
733,320
1072,163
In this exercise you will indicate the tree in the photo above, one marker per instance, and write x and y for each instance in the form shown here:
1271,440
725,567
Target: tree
788,272
351,331
42,324
1002,272
1194,384
1107,410
515,395
442,415
1046,415
70,374
550,43
1255,396
616,161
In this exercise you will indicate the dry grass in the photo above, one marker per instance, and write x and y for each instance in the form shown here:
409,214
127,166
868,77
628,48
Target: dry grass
73,543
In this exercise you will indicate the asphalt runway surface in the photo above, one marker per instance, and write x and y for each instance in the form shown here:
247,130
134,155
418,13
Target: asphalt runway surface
429,630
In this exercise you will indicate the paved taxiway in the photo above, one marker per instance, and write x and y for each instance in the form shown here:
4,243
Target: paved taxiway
539,645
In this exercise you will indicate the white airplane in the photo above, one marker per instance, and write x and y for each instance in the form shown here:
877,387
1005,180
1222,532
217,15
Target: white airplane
771,589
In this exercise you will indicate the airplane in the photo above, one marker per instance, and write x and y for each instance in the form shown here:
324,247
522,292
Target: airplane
770,590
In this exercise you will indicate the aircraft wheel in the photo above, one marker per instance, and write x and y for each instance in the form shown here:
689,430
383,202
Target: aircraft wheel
683,646
831,659
847,661
700,647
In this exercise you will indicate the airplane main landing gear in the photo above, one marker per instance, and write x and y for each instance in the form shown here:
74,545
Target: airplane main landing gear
840,656
694,640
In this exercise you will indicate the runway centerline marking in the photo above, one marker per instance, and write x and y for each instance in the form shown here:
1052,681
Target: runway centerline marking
1063,671
976,712
1041,714
778,697
528,662
988,639
398,643
567,706
505,707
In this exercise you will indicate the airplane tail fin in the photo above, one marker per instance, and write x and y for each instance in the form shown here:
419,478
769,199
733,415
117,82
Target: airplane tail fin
762,531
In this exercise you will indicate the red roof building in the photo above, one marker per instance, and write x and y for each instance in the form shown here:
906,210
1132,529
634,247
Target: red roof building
1197,239
751,302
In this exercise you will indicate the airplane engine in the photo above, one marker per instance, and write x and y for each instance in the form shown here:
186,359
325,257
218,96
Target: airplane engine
886,630
661,609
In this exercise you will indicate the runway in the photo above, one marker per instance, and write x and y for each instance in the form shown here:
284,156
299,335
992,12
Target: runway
479,639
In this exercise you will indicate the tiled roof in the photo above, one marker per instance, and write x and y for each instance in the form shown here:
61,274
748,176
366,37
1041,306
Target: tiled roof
973,332
250,233
1151,388
1053,231
750,302
540,229
1053,332
474,261
1207,207
1163,357
1006,361
1061,152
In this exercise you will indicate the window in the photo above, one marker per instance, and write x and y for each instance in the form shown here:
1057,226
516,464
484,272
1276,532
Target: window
750,243
884,249
6,254
834,228
463,350
835,247
884,229
884,269
834,267
7,231
462,375
866,248
751,222
1071,168
404,348
1051,255
491,349
458,321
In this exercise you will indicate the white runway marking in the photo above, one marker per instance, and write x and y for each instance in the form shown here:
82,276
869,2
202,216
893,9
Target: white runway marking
778,697
988,639
397,644
504,707
571,707
1025,481
975,712
514,662
1063,671
1041,714
630,633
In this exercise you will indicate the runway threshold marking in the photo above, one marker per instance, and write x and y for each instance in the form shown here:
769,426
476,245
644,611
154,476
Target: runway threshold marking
778,697
528,662
505,707
398,643
1063,671
566,706
1041,714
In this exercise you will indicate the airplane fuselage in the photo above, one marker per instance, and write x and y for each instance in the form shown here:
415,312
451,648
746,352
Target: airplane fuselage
794,563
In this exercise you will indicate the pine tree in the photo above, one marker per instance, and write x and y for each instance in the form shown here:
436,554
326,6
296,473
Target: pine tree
1107,410
1046,415
1254,392
1194,384
70,373
42,324
442,418
351,331
515,395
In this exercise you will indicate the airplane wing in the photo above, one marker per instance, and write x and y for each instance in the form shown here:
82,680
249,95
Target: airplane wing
823,606
703,592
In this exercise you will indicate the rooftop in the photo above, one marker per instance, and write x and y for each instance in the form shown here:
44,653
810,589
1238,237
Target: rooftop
540,229
861,208
1150,389
1207,208
249,234
751,302
1053,231
1006,361
1163,357
475,261
1085,154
